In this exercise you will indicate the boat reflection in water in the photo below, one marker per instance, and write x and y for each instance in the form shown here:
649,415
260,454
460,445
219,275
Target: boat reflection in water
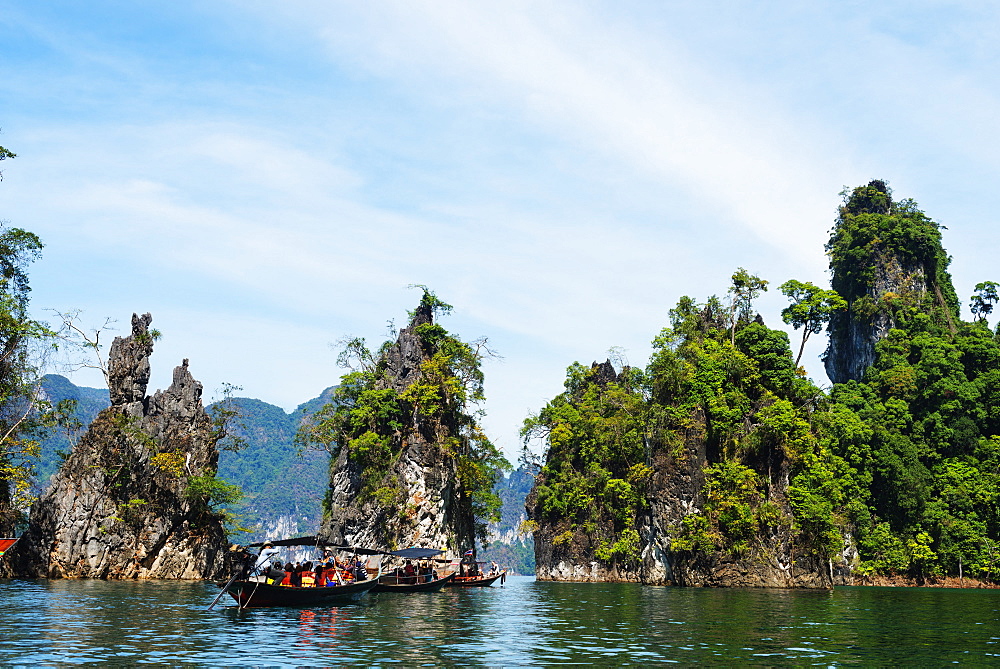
318,628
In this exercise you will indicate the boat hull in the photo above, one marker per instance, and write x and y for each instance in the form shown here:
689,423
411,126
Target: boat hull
386,584
477,582
252,594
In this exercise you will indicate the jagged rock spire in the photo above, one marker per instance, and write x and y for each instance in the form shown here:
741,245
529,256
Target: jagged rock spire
118,508
128,363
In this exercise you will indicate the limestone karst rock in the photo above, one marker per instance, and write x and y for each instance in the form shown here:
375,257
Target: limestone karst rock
882,254
653,468
118,506
415,497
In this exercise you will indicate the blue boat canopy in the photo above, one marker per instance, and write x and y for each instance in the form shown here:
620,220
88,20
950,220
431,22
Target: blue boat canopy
416,553
408,553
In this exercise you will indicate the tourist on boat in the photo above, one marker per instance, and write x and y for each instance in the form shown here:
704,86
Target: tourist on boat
289,570
494,568
267,551
275,574
426,571
409,573
331,576
468,566
308,576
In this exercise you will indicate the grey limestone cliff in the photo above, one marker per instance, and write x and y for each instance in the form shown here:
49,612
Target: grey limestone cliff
420,502
119,505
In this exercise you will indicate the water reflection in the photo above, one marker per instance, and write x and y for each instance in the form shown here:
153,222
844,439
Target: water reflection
526,623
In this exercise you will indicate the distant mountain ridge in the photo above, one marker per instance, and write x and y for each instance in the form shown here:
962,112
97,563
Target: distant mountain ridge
283,487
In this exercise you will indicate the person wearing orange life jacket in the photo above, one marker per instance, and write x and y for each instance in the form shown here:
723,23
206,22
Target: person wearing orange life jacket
308,576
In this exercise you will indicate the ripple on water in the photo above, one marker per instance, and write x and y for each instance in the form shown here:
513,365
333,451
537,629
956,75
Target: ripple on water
525,623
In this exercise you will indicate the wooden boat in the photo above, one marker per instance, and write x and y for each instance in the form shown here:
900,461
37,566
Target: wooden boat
253,594
256,591
390,583
477,581
394,582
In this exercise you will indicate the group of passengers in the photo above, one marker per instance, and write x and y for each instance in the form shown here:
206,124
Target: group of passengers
328,572
410,574
331,572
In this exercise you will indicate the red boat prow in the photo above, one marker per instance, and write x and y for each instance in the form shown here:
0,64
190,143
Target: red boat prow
5,543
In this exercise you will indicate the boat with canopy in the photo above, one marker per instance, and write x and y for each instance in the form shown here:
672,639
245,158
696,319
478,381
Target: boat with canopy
423,579
255,584
478,581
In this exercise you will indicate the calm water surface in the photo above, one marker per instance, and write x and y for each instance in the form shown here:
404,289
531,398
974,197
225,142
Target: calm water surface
524,623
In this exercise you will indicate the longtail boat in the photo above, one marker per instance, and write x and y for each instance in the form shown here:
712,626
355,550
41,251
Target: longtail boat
477,581
254,594
391,583
261,590
395,582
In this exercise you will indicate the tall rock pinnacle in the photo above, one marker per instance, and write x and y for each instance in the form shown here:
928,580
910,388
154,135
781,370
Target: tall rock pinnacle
120,505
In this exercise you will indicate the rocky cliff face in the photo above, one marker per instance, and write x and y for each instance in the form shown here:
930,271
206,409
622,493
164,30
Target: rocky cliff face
429,514
883,255
565,550
119,505
676,491
418,501
855,331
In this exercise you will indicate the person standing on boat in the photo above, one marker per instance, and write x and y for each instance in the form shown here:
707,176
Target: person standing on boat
468,566
267,551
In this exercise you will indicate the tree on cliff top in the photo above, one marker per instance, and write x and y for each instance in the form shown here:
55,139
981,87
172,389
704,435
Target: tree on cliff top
22,412
811,309
383,403
886,254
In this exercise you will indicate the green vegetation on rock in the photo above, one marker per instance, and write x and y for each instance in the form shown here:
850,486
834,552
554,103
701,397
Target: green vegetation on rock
426,388
895,472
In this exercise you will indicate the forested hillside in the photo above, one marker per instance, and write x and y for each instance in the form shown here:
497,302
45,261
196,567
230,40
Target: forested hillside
58,442
509,543
722,463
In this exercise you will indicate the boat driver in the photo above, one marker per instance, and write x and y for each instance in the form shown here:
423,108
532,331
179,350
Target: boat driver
267,551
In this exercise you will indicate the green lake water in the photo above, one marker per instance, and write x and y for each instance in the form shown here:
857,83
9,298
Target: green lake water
526,623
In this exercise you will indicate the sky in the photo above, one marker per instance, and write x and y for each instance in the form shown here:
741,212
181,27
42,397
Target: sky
269,178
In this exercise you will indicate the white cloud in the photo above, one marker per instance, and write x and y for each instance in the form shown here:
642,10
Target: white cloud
562,173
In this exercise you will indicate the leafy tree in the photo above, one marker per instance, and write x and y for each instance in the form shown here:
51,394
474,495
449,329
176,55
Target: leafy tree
4,155
596,472
23,342
811,309
984,299
745,288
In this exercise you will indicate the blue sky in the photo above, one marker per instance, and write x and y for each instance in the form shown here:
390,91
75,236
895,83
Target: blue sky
268,178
